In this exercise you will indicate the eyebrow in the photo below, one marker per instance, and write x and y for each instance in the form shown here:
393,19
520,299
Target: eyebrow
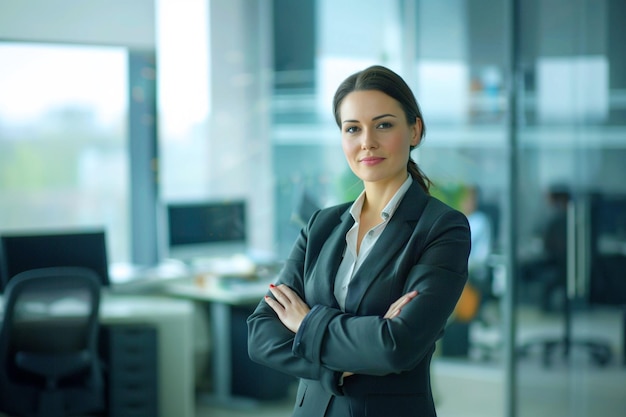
373,119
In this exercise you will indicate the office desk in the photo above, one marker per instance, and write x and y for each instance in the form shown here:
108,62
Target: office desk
221,299
173,319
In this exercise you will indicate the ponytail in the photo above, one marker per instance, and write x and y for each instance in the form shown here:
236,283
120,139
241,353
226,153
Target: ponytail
419,176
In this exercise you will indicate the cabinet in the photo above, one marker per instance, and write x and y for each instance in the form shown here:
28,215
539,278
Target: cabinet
129,352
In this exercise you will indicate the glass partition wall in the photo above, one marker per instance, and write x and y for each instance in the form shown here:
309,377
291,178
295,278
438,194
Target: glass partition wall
571,212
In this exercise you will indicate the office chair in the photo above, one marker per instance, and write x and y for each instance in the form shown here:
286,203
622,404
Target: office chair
599,350
48,344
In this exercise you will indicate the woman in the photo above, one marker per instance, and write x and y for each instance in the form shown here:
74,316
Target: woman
369,285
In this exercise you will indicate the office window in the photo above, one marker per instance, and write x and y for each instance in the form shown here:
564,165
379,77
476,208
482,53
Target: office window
63,140
183,98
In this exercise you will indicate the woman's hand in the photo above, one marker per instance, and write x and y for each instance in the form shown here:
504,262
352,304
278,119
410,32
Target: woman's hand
396,307
392,312
288,306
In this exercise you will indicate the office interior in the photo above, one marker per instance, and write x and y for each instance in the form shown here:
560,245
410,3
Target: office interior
113,111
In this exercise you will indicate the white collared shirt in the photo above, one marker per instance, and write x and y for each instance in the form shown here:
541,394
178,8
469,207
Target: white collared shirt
351,260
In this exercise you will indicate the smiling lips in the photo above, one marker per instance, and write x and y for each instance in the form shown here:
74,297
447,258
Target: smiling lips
371,160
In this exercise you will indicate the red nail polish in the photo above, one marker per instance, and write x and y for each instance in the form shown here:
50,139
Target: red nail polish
272,285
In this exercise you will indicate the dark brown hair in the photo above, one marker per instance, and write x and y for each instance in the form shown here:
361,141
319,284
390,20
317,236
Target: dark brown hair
386,81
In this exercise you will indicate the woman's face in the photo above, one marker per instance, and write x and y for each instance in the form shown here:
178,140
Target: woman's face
376,137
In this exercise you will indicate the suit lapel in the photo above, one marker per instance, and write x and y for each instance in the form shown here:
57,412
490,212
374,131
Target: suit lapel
330,257
395,235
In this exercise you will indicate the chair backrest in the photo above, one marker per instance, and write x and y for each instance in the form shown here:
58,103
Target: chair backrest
49,310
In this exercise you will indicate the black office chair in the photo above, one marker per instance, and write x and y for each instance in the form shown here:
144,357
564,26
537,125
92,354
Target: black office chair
49,358
599,350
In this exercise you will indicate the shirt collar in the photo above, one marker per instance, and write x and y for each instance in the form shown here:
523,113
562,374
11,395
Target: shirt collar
391,206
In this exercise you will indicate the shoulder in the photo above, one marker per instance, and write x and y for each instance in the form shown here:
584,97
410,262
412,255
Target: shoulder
437,215
328,218
426,208
336,210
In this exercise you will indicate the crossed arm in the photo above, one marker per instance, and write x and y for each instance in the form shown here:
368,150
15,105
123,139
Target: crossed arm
291,309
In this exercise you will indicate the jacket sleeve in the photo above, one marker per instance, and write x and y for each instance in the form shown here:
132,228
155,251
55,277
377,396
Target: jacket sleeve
372,345
270,343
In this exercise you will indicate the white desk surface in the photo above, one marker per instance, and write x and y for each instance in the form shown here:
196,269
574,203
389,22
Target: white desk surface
233,291
120,306
208,281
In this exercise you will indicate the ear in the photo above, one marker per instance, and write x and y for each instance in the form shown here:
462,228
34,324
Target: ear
416,134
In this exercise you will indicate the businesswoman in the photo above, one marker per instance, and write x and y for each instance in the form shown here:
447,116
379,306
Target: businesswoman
368,286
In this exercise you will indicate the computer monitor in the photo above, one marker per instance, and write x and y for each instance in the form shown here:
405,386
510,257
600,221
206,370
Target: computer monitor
204,229
24,251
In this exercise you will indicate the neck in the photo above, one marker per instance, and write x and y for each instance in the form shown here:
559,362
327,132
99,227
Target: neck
378,195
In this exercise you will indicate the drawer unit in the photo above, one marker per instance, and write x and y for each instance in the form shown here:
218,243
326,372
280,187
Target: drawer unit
130,356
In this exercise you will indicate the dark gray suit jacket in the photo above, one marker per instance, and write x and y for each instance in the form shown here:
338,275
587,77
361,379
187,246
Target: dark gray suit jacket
424,247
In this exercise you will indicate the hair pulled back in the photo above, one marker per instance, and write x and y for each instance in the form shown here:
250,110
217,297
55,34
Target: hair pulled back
383,79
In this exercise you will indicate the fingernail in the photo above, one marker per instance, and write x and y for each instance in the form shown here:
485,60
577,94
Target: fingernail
272,286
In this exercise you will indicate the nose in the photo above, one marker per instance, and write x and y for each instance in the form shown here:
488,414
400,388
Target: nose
368,140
